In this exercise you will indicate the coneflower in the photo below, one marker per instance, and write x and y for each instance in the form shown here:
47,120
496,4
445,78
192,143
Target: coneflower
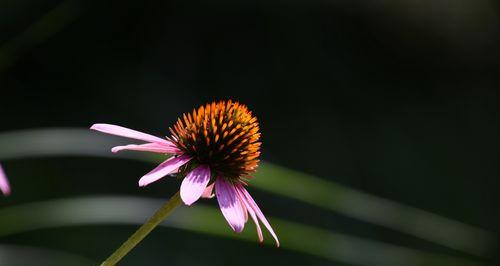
215,147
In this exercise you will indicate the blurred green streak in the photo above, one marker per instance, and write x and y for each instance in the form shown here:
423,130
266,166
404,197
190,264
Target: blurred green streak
41,30
24,255
275,179
373,209
133,211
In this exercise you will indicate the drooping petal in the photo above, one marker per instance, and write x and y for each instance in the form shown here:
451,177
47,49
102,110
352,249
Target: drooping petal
251,211
230,204
258,212
128,133
4,183
151,147
243,204
208,193
164,169
194,184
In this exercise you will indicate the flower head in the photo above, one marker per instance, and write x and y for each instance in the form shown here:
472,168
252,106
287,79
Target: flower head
223,135
4,183
215,147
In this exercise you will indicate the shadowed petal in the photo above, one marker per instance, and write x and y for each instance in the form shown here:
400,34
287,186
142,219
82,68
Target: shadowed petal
164,169
230,204
194,184
128,133
151,147
258,212
208,193
243,204
4,183
250,211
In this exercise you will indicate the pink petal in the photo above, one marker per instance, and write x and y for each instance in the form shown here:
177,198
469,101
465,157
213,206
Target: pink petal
230,204
194,184
258,212
208,193
243,205
128,133
251,211
151,147
4,183
164,169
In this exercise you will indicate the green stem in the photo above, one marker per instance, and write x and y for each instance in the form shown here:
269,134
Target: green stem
144,230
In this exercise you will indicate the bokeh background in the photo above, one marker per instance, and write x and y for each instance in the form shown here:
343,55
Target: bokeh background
393,99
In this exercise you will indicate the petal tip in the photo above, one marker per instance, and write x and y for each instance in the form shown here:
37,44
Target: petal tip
142,183
187,201
277,242
95,126
4,183
6,192
237,228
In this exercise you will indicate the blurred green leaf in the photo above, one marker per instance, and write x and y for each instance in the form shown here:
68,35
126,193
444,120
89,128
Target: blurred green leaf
275,179
373,209
134,211
24,255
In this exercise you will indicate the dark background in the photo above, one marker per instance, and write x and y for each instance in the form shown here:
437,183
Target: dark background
394,98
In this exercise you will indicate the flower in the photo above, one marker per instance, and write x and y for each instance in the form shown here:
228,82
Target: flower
215,147
4,182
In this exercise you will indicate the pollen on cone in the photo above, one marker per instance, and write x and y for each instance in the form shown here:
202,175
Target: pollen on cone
224,135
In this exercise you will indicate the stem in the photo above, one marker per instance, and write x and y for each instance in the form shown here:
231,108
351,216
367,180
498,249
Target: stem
144,230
